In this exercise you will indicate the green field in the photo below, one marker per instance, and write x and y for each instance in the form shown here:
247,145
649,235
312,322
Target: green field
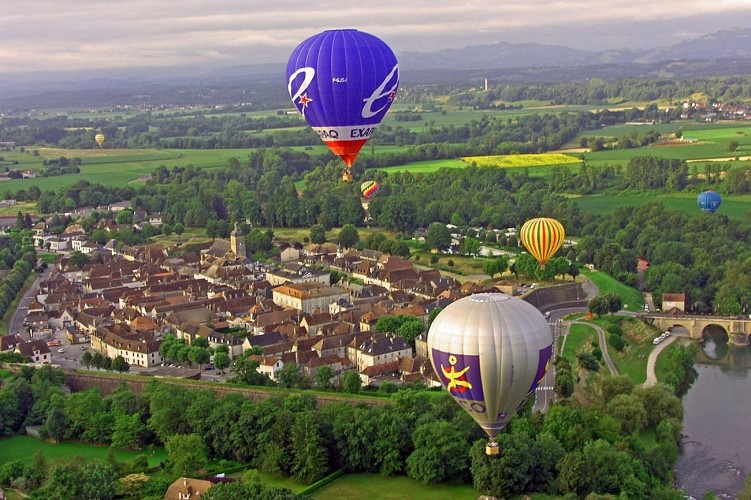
391,487
578,336
631,297
735,207
114,167
632,361
23,448
423,167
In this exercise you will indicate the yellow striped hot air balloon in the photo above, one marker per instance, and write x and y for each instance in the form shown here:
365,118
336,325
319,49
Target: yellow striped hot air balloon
99,138
369,189
542,237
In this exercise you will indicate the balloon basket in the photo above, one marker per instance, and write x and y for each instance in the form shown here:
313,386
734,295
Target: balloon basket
492,449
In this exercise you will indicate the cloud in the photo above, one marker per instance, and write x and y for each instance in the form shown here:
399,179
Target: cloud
78,34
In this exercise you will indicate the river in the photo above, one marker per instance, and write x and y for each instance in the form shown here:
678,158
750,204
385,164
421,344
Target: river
716,447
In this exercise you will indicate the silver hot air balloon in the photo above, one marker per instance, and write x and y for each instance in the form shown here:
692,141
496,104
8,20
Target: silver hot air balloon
490,352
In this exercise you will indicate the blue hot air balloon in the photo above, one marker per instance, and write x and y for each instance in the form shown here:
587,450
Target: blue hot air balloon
343,82
709,201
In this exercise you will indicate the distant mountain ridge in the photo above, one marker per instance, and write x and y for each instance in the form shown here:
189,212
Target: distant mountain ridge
726,44
726,52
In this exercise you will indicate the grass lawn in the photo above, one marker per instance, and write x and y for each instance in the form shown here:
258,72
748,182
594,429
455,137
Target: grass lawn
578,337
631,297
632,361
394,487
735,207
23,448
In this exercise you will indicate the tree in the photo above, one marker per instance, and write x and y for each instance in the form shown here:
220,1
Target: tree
132,484
614,301
629,411
498,265
410,329
78,259
732,146
289,376
309,461
120,365
348,236
470,246
351,382
128,432
221,361
86,359
438,237
186,453
440,453
598,305
323,377
573,270
179,230
317,234
124,217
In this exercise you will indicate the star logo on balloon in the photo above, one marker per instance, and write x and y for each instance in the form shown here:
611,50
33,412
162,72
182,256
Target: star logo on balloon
305,100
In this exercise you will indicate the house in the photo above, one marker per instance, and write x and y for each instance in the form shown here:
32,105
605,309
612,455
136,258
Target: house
674,302
37,350
308,297
377,349
9,342
135,347
186,488
270,365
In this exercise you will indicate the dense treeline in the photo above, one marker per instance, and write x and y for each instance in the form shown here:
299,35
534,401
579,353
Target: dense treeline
568,451
597,91
705,256
529,133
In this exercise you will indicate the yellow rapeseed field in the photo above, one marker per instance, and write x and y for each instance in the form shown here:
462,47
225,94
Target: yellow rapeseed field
526,160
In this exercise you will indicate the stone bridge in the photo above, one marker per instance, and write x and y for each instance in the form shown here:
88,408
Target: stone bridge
738,328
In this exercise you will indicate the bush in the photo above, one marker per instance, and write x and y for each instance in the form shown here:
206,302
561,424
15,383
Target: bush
588,361
433,259
617,342
615,329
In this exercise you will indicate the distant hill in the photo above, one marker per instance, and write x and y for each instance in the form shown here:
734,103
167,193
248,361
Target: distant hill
726,52
727,44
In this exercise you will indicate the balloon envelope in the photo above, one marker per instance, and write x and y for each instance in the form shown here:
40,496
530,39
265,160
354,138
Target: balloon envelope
369,188
343,82
490,352
709,201
542,237
99,138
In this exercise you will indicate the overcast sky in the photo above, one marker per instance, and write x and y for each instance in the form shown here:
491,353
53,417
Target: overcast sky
40,35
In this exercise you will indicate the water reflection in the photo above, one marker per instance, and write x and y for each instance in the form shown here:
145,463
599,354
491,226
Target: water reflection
716,448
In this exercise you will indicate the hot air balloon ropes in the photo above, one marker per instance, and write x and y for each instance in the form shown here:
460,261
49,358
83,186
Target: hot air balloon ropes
709,201
99,138
490,352
542,237
343,82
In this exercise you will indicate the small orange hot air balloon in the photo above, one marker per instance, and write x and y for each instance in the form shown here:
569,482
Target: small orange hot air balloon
542,237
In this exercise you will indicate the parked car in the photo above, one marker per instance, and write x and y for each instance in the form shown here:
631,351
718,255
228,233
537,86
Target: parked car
657,340
61,350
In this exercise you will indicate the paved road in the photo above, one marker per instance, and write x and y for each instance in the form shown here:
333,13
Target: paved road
603,346
15,325
652,360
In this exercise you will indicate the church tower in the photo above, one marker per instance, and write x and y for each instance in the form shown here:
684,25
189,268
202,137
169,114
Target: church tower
237,242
